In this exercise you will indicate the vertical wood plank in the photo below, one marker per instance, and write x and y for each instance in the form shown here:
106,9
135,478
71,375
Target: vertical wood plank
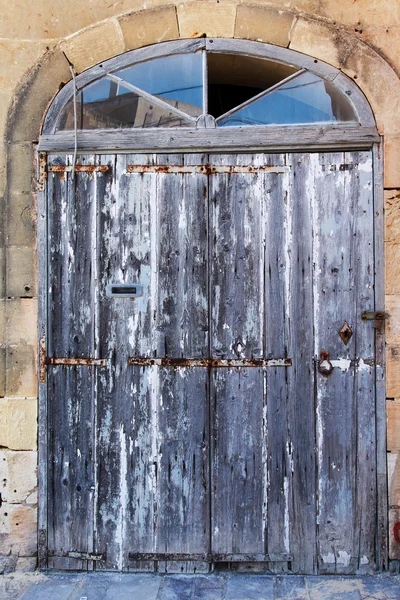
361,190
279,243
72,219
301,374
237,316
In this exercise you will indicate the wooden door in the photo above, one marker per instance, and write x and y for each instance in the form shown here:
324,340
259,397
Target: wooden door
195,423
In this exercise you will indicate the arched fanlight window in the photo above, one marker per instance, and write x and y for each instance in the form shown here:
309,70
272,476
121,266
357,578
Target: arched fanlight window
209,94
175,90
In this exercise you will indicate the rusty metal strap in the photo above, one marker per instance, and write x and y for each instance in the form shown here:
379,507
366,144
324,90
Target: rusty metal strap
206,169
77,555
208,557
45,361
78,362
209,362
78,168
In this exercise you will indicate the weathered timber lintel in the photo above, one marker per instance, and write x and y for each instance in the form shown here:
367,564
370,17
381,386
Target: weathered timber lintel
209,362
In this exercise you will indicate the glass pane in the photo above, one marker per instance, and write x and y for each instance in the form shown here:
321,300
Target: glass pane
233,79
176,79
106,105
305,99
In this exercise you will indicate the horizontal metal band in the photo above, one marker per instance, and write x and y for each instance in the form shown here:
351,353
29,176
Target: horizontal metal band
78,168
208,557
77,555
209,362
206,169
78,362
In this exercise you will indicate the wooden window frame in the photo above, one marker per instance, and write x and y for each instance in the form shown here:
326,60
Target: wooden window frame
270,138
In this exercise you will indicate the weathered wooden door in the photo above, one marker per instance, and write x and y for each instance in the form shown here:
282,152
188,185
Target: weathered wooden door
192,421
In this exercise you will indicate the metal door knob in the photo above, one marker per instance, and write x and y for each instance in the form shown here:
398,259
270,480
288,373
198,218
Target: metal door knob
325,367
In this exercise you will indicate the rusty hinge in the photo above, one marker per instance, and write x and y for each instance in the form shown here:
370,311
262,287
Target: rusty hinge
45,361
42,174
377,316
78,555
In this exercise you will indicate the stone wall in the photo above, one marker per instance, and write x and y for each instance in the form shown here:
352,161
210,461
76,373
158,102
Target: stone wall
361,38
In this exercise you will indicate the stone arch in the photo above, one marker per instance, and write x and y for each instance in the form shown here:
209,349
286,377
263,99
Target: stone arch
320,39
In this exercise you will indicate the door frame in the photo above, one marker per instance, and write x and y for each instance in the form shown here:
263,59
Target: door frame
238,140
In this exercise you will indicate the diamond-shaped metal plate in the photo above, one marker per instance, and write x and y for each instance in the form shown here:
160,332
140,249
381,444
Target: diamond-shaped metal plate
345,333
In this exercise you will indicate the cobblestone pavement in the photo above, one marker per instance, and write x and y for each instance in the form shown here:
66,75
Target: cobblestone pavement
109,586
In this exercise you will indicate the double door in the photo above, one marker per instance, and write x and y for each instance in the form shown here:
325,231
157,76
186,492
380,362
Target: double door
192,419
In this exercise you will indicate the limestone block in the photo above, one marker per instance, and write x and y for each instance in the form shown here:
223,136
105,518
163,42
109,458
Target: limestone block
393,372
393,425
16,57
3,427
361,14
21,272
32,99
380,84
392,307
392,215
392,161
37,20
22,423
387,40
2,273
20,219
21,478
6,97
22,525
213,20
91,46
264,24
21,375
21,321
20,164
392,268
2,375
27,564
3,306
3,167
149,27
324,42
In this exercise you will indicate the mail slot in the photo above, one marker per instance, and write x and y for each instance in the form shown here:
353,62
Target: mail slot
124,290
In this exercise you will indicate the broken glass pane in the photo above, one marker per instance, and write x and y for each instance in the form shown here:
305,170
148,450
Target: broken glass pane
177,79
304,99
106,105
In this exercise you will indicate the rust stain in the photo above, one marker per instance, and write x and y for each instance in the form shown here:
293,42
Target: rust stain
209,362
42,171
78,555
78,362
79,169
42,360
206,169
